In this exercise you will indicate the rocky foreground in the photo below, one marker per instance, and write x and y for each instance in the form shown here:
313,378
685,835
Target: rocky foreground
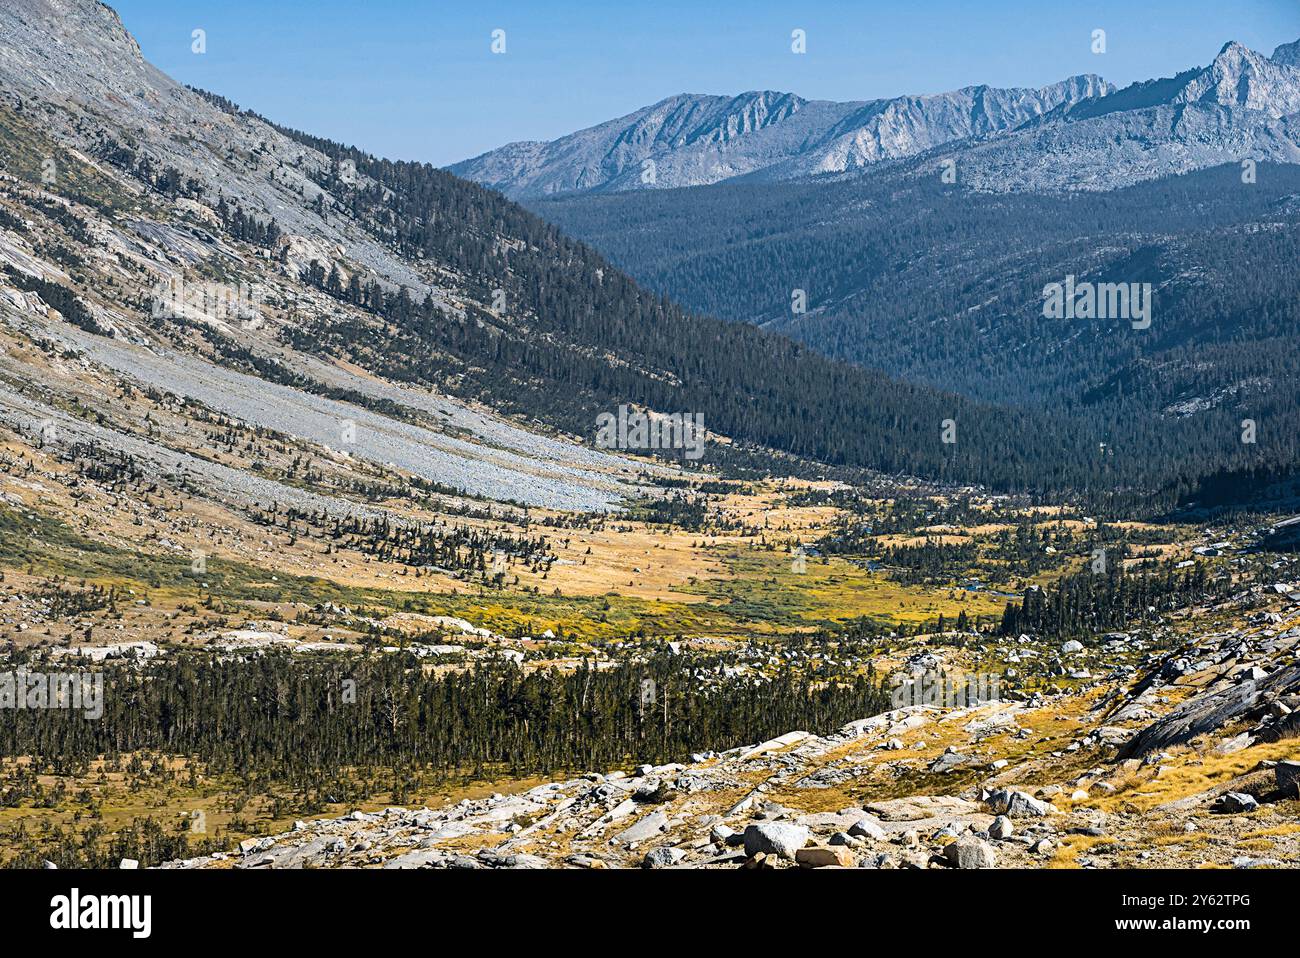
1187,760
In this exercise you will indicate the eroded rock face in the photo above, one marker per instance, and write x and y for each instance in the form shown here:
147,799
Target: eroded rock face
80,78
1209,712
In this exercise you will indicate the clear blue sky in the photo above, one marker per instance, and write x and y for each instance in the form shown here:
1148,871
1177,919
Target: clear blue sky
416,79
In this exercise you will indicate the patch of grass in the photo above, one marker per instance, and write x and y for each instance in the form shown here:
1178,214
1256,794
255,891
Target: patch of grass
1256,844
24,149
762,586
1183,779
50,547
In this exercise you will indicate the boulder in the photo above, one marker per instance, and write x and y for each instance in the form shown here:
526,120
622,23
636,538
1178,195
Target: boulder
1017,804
1001,827
1275,729
948,761
820,856
1288,777
970,852
775,838
868,828
662,857
721,833
1234,802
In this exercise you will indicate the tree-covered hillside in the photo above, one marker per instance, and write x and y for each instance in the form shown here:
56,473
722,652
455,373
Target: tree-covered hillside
944,287
928,291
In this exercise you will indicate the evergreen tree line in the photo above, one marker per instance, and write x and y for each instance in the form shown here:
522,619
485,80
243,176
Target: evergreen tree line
1086,603
57,297
309,723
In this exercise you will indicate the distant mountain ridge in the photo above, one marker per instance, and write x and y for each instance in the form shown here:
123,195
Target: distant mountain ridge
1081,133
938,279
1241,106
695,140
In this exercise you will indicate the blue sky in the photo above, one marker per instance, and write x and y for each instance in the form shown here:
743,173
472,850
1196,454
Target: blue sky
416,79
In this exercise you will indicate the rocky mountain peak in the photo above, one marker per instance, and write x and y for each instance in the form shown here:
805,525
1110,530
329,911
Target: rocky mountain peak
1085,85
71,46
1288,54
78,19
1243,77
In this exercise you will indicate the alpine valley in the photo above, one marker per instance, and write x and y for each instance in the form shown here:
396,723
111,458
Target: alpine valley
706,489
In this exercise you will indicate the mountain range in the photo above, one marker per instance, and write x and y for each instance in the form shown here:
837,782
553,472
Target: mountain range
694,140
481,342
1080,133
919,243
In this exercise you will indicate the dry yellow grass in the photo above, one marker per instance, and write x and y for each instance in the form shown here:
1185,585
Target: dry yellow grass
1192,773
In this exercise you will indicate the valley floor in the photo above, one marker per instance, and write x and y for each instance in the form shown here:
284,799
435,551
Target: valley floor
1002,784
